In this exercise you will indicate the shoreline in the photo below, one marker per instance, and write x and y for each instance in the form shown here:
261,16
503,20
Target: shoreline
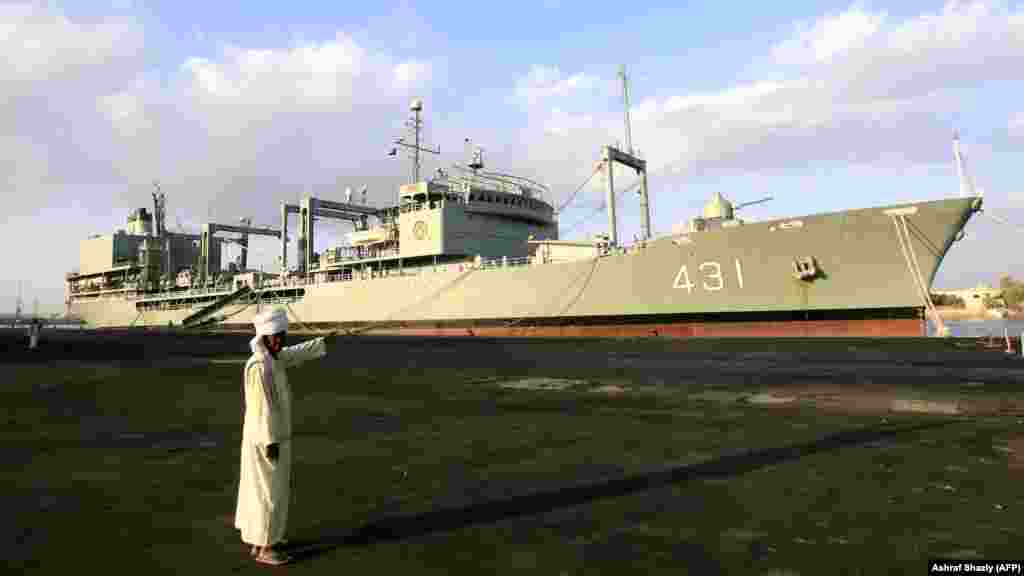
961,314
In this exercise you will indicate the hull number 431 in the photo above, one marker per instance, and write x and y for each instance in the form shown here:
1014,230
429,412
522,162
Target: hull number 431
709,274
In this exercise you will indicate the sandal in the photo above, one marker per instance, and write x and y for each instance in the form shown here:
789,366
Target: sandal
272,557
255,550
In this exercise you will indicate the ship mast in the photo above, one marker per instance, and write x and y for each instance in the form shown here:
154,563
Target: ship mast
630,159
625,98
966,185
159,206
416,125
160,228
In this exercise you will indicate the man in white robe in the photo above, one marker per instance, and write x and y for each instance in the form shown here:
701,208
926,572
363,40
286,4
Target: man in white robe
33,334
265,471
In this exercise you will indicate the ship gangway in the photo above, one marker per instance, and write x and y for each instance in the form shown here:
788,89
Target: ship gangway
195,318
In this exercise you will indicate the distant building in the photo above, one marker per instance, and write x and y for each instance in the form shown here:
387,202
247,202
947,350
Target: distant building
974,298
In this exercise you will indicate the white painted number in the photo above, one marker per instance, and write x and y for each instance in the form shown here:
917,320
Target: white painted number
712,272
683,274
716,275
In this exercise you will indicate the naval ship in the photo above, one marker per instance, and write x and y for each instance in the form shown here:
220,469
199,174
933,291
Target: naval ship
470,252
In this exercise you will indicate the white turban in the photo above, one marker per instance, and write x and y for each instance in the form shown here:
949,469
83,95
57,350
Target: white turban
271,322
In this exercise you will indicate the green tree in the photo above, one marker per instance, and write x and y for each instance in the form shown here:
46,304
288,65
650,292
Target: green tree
1013,291
948,300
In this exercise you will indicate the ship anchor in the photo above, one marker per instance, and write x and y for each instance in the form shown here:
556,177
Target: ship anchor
805,268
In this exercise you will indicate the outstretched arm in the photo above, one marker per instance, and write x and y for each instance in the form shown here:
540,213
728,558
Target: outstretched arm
305,351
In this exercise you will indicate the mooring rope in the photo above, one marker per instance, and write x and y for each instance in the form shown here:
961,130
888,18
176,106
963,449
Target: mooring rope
302,324
906,245
566,308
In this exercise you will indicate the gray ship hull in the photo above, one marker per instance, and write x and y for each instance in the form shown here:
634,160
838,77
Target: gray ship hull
731,281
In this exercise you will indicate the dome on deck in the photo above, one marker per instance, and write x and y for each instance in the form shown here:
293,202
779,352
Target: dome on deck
718,207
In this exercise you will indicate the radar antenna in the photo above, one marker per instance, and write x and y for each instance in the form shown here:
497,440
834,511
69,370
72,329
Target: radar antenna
476,162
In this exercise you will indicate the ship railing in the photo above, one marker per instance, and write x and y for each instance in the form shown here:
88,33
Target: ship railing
415,207
504,262
92,296
551,260
370,255
360,274
503,182
280,299
190,293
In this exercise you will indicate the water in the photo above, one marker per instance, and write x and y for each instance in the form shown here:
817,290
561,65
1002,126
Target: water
980,328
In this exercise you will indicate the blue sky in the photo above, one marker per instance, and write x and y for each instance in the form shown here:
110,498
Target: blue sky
238,106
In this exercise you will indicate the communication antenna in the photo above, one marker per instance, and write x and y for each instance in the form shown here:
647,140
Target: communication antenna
415,124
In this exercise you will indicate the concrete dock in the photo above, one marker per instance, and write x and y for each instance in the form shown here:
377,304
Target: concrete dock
432,455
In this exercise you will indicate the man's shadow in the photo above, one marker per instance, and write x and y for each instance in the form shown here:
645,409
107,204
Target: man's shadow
393,528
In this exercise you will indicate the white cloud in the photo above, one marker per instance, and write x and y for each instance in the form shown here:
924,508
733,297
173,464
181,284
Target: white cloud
1017,122
411,74
544,82
829,37
40,45
88,128
55,74
867,90
311,75
246,129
